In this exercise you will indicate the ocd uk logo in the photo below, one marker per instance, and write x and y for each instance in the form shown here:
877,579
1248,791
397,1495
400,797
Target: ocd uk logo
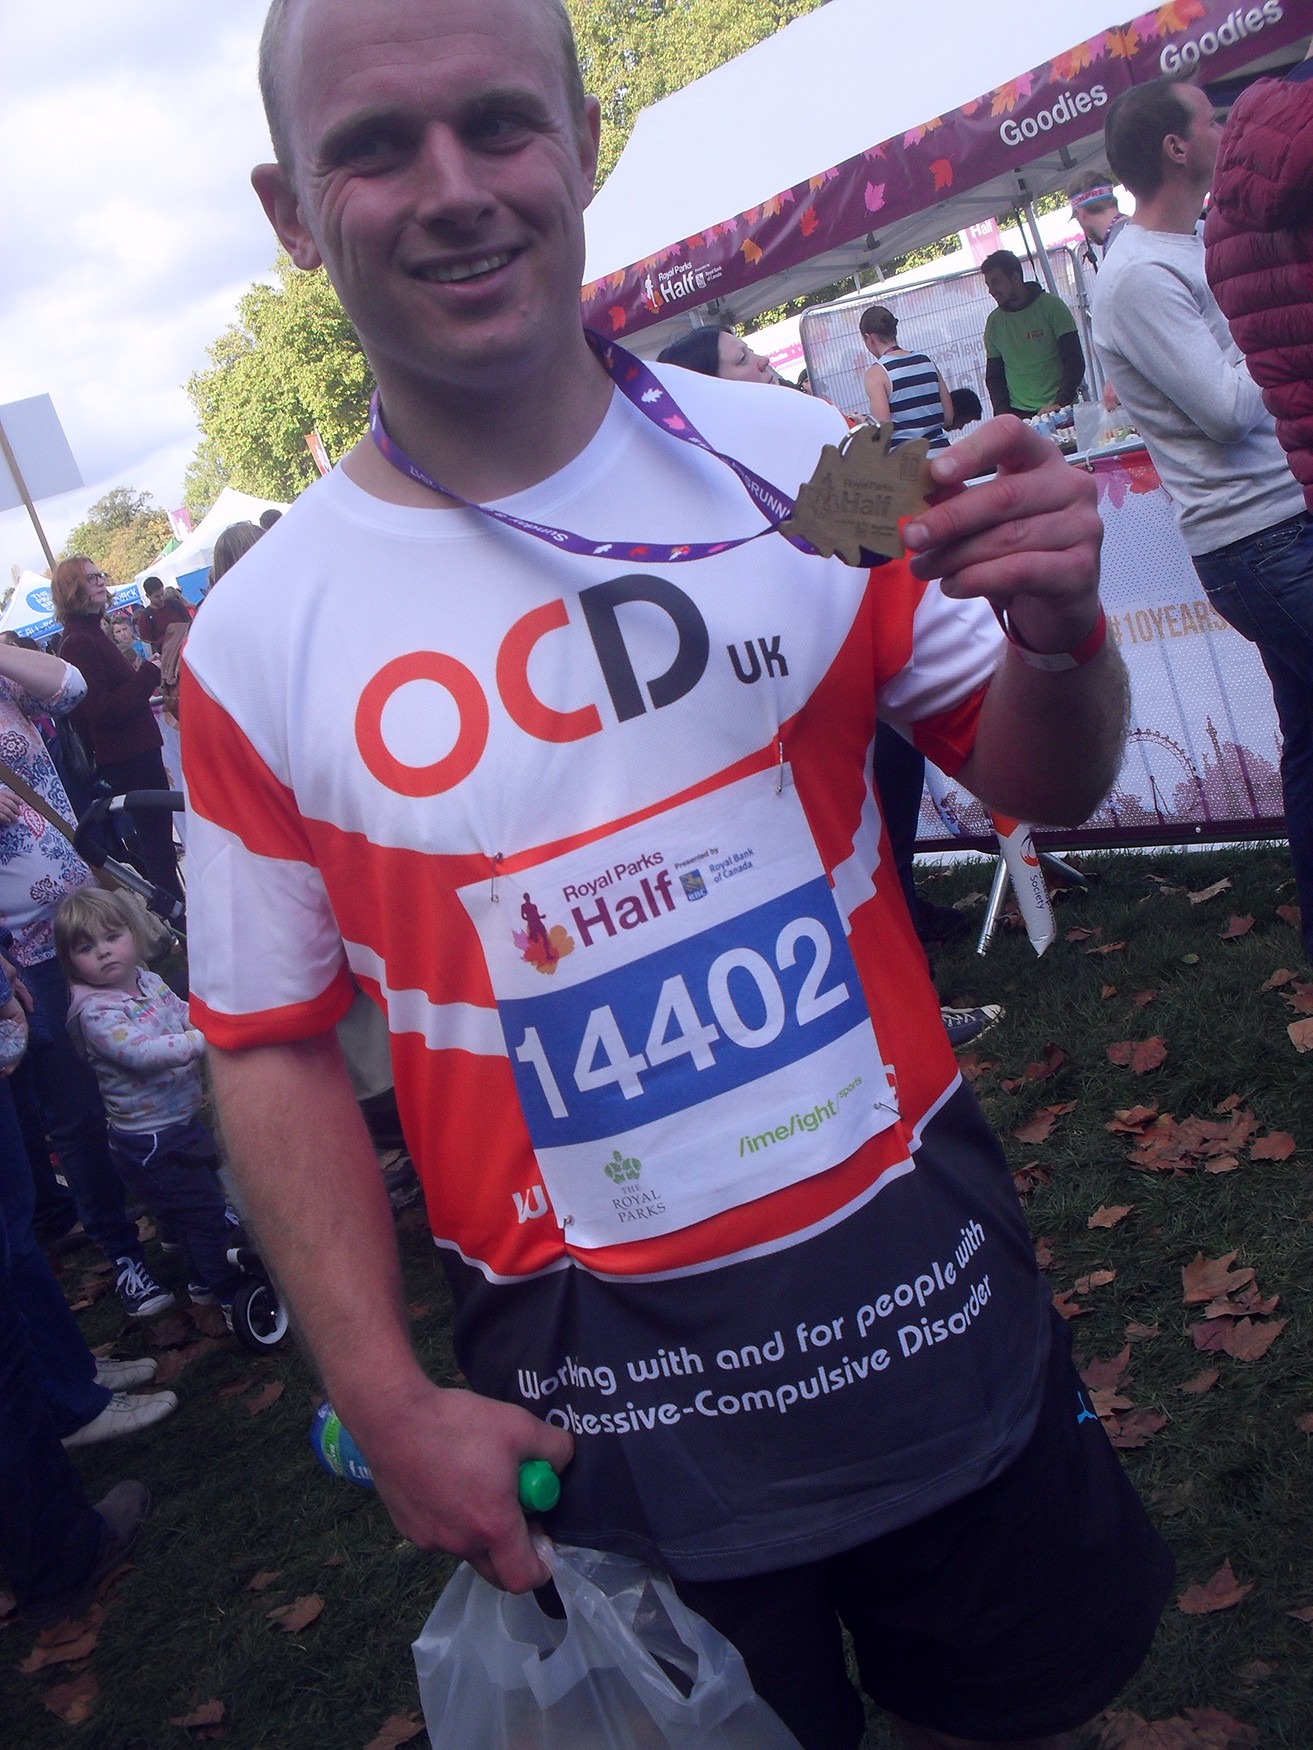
630,695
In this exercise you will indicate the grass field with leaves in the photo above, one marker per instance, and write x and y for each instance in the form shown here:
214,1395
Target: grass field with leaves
1158,1115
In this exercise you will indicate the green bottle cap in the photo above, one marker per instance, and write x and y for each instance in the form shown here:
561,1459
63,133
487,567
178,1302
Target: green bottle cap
540,1487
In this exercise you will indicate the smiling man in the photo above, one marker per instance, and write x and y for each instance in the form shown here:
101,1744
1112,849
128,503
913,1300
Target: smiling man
584,804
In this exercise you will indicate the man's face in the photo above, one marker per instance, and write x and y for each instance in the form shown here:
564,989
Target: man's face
440,175
1203,137
1006,288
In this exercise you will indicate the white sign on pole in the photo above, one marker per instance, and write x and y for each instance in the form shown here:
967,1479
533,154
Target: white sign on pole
40,449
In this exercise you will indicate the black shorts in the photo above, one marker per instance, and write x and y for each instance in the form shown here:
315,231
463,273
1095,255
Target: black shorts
1018,1612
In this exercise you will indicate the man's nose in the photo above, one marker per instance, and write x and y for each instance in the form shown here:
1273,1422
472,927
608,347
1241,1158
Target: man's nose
449,188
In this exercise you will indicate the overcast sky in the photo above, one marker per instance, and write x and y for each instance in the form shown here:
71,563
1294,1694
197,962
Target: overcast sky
128,229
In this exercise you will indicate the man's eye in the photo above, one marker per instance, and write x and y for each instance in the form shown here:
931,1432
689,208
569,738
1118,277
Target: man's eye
497,127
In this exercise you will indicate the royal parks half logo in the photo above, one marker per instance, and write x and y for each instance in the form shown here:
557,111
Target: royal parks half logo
620,1170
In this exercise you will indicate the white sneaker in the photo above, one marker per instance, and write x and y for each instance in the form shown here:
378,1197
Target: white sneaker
123,1375
124,1415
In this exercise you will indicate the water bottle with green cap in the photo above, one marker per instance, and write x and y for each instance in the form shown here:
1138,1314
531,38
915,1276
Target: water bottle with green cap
337,1452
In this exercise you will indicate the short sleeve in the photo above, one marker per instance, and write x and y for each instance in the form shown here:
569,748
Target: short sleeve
266,960
1061,320
946,653
991,336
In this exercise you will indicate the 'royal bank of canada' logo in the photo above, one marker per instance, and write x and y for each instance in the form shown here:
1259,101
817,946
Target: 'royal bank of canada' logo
541,946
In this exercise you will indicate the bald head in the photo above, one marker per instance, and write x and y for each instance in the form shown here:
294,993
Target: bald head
273,40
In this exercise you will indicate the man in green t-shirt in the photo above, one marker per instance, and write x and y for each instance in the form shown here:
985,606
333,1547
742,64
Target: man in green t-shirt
1033,358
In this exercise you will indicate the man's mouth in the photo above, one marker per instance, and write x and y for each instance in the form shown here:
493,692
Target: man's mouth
454,272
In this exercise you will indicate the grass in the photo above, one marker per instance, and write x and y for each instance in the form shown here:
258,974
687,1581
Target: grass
1227,1477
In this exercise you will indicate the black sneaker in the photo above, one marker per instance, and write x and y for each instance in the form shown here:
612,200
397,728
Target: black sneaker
140,1293
964,1025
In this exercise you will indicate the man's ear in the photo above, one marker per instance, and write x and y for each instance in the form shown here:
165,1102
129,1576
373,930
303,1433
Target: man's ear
590,139
283,211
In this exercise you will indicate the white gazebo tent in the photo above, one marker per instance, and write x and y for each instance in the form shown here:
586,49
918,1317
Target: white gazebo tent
196,552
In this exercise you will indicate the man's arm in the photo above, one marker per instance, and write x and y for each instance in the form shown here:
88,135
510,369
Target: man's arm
445,1462
1073,367
996,385
1155,324
1047,746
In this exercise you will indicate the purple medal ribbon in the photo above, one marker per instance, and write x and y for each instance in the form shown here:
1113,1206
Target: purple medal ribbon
640,386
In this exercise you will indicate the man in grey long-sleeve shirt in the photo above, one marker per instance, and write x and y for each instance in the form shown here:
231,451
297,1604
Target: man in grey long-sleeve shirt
1166,349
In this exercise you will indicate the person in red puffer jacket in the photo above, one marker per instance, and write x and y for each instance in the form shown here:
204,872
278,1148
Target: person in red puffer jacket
1259,250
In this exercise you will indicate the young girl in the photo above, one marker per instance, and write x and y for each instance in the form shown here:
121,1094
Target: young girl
134,1031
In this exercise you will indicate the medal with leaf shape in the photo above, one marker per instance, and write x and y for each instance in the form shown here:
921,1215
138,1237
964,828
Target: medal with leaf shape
860,493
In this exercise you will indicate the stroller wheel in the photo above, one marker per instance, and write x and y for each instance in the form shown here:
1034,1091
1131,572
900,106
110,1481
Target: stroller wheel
259,1318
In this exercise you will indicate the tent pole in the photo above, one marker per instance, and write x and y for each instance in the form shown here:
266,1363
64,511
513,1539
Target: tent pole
1045,267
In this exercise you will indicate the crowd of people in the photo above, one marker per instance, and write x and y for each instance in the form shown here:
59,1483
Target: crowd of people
652,743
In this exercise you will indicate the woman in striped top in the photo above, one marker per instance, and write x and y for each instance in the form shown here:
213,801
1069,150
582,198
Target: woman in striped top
903,387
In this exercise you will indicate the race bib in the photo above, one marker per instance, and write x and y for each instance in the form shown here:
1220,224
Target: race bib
683,1015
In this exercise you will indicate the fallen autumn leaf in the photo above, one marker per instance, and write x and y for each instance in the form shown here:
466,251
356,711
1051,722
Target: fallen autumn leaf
299,1614
1220,1592
1109,1215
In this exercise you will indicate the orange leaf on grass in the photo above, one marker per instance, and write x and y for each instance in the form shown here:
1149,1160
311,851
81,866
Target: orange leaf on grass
264,1579
1137,1429
73,1701
1101,1375
1133,1121
1239,926
1201,1382
1043,1253
1078,933
1305,1422
1201,894
1206,1279
397,1729
1291,914
1138,1333
1210,1336
1249,1341
1301,1034
1299,997
299,1614
1282,975
1107,990
1109,1215
1277,1145
1067,1307
1095,1279
209,1713
264,1398
1036,1129
1199,1728
1221,1592
64,1643
1106,948
1143,998
1140,1055
236,1387
1304,1614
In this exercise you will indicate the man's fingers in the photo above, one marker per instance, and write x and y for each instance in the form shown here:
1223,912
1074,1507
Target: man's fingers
1054,534
1009,500
1004,442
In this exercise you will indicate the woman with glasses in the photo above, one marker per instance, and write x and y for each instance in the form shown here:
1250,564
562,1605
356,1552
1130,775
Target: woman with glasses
116,714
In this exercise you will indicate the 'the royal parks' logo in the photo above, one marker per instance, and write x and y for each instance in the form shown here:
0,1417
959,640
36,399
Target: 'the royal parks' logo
621,1169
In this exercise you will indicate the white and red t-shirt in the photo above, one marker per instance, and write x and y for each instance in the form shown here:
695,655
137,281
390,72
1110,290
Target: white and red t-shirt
600,838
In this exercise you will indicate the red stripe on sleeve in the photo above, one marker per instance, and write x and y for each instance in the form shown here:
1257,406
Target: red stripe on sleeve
279,1026
949,736
229,783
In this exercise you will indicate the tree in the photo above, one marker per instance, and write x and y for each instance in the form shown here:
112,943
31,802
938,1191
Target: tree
290,364
204,480
123,532
634,52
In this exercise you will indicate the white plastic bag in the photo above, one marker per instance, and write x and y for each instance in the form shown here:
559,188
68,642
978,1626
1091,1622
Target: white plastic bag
630,1667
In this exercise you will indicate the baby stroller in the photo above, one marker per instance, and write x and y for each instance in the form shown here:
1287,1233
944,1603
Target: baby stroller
259,1319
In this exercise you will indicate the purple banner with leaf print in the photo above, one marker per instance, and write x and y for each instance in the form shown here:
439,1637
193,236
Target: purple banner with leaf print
1061,101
